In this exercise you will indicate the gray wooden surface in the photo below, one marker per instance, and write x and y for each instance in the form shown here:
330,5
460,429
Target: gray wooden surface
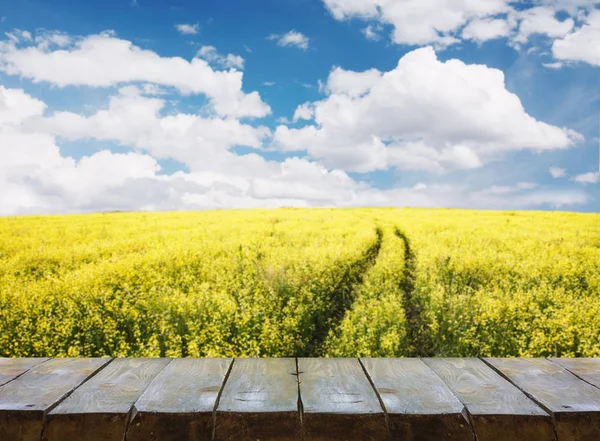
498,410
259,401
11,368
419,405
574,404
338,401
588,369
299,399
101,406
179,403
25,401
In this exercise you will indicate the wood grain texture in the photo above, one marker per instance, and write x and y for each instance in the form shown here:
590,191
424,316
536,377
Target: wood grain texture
499,411
178,405
25,401
586,368
11,368
99,409
420,407
338,401
259,401
575,404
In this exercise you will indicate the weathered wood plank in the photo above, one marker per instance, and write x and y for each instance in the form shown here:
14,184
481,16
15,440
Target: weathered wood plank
420,407
586,368
99,409
575,404
499,411
25,401
11,368
259,401
179,403
338,401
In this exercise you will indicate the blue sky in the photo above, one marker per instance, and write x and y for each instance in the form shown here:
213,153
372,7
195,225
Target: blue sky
225,104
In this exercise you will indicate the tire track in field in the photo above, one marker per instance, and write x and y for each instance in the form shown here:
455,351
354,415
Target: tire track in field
419,339
343,297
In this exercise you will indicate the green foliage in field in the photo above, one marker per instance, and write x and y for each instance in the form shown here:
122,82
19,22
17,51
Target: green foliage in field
252,283
375,325
508,284
365,282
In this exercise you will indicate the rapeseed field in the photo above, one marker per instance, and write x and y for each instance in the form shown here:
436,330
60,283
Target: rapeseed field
301,282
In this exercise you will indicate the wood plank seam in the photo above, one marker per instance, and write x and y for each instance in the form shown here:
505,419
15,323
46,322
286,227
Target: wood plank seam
381,403
527,394
214,411
571,372
300,403
468,417
68,394
130,413
300,406
465,411
23,373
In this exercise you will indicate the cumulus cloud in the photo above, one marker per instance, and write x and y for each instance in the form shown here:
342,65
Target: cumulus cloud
104,60
292,38
557,172
588,178
187,29
419,22
483,29
542,20
423,115
229,61
134,120
304,111
442,23
36,178
372,32
554,66
582,44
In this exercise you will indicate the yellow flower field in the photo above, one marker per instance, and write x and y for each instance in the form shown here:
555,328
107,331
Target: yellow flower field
305,282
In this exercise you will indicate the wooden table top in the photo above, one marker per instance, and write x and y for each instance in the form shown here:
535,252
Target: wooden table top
411,399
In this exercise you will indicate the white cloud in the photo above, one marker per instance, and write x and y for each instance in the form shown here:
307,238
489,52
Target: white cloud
372,32
353,84
555,66
16,106
134,120
419,22
46,39
304,111
526,199
541,20
423,115
483,29
292,38
229,61
507,189
187,29
570,6
103,60
557,172
36,178
588,178
582,44
442,23
268,83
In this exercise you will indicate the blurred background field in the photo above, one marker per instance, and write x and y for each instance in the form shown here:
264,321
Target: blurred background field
301,282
